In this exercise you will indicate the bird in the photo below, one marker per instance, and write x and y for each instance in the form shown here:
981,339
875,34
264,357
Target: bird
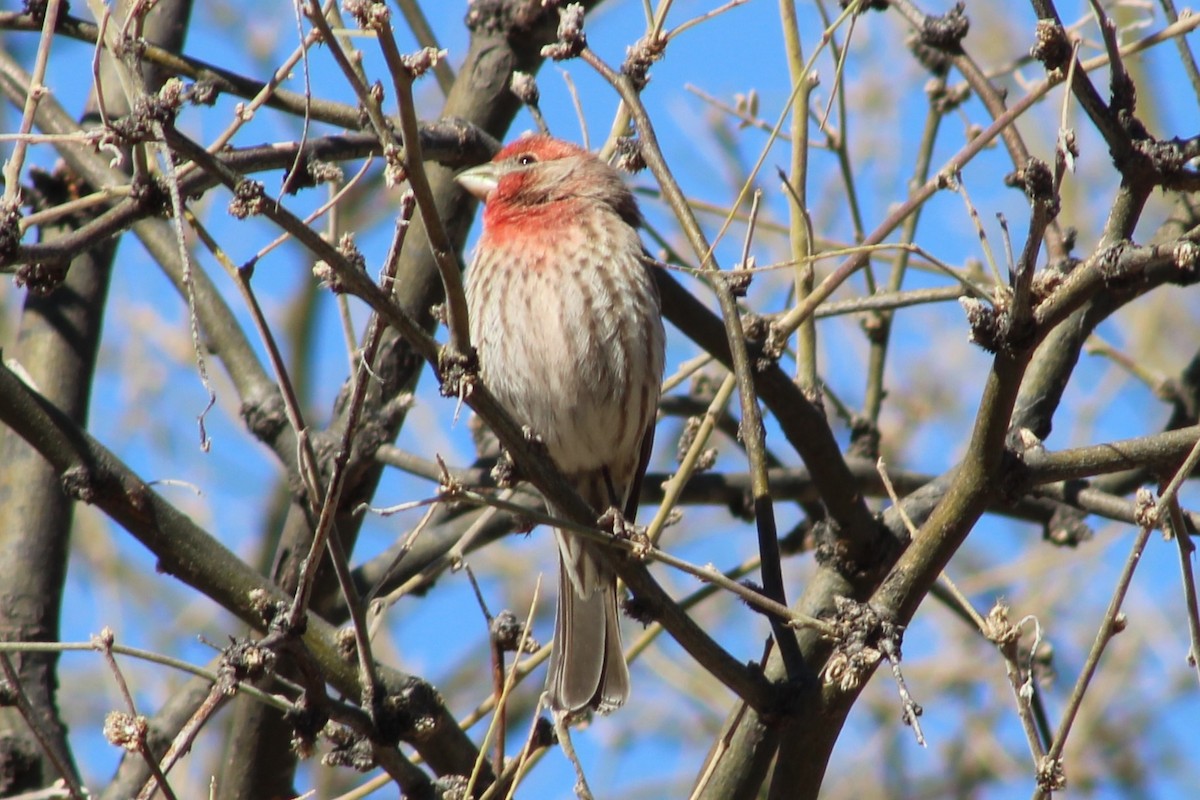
566,320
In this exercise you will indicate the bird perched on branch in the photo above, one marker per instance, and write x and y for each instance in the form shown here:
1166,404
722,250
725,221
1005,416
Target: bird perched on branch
565,316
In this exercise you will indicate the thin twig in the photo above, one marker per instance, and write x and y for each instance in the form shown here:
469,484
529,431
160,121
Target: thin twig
104,643
31,717
497,725
1187,549
1110,625
403,75
795,181
674,487
35,92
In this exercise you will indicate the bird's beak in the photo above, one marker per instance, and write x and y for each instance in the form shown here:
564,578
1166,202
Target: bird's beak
480,181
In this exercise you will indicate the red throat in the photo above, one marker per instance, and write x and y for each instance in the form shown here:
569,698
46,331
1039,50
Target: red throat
526,230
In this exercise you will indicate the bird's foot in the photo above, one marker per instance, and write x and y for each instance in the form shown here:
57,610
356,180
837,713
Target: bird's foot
615,521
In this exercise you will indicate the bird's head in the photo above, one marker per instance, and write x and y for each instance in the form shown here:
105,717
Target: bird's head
538,171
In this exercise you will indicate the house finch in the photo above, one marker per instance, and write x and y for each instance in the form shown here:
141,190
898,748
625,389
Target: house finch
565,316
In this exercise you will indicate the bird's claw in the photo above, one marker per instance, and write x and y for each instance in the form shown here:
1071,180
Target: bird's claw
613,520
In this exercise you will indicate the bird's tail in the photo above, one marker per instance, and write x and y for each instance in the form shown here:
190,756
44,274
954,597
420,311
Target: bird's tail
587,664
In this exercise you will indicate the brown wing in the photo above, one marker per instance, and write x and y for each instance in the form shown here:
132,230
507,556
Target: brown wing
635,487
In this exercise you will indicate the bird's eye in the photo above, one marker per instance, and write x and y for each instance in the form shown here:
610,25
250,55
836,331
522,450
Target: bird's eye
525,159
